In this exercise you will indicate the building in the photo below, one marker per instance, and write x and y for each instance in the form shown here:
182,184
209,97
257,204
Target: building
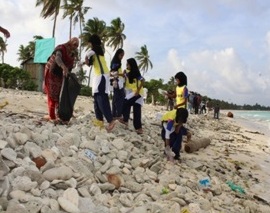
36,71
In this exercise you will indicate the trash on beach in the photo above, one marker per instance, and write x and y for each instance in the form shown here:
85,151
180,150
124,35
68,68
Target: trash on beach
90,154
2,105
185,210
205,183
158,116
235,187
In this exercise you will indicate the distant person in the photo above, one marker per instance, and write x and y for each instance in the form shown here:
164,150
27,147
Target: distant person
5,32
190,102
196,103
117,82
145,94
134,95
170,102
202,107
101,82
216,111
59,64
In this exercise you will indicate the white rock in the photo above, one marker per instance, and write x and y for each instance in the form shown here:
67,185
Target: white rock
20,196
67,205
119,143
23,183
116,162
9,154
33,149
59,173
45,185
3,144
21,138
122,155
54,205
33,206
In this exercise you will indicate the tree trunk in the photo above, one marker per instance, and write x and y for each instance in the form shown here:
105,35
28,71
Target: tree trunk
54,24
153,100
80,50
70,27
193,146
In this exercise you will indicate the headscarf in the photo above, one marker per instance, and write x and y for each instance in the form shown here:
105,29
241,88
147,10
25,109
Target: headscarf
72,46
74,41
134,70
116,61
182,78
96,44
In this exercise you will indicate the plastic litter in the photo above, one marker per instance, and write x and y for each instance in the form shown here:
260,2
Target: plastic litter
185,210
90,154
235,187
205,182
2,105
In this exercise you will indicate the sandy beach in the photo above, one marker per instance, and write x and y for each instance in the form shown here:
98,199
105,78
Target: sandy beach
87,169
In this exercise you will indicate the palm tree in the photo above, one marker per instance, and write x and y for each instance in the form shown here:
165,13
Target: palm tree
115,34
50,8
26,52
94,26
144,61
3,48
81,75
75,10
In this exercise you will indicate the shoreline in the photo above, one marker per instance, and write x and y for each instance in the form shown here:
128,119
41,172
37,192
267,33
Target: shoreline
254,125
235,154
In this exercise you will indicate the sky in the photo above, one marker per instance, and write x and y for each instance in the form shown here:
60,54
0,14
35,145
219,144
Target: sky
223,46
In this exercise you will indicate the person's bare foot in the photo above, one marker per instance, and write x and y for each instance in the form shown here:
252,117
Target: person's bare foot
169,154
110,127
46,118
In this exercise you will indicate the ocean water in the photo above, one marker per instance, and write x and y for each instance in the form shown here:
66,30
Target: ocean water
254,120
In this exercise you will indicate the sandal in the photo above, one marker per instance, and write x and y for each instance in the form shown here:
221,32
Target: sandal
139,131
121,120
110,127
98,123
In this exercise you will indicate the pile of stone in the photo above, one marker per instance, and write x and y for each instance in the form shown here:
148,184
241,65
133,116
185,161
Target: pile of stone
47,168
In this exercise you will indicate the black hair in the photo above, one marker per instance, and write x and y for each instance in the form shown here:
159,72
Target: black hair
182,78
96,44
116,60
134,70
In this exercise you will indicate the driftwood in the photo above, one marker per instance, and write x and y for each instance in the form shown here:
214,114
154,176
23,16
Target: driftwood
193,146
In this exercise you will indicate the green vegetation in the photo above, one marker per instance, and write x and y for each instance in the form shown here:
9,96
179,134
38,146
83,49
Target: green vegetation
154,85
15,78
86,91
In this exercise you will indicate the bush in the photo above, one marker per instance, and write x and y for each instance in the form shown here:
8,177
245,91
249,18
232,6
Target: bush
86,91
29,85
16,78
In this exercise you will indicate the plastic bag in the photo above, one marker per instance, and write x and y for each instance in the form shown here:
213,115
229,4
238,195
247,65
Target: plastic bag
69,91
